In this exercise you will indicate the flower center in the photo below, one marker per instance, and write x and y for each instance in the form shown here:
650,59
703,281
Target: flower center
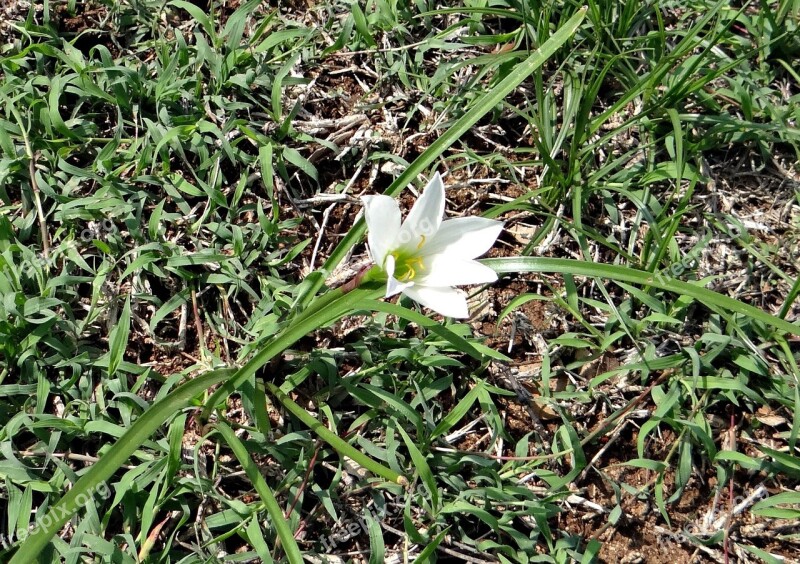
406,266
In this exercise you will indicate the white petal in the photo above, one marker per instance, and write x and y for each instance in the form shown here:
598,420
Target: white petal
447,270
464,237
425,217
388,266
383,222
393,285
445,301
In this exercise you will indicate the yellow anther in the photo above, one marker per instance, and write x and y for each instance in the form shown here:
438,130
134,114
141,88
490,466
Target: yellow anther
416,264
422,242
410,267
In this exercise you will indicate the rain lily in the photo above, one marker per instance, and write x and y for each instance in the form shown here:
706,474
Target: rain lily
424,257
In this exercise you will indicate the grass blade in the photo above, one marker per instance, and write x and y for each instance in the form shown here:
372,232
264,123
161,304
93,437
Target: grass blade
627,274
333,439
267,497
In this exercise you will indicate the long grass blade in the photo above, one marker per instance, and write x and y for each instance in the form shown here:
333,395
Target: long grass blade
265,493
627,274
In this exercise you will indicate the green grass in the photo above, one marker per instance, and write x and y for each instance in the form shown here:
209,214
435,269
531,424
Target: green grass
179,189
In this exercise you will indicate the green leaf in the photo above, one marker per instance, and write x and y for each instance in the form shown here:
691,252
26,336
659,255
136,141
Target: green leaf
376,544
769,507
426,555
197,13
118,340
362,27
458,412
461,506
421,465
293,156
333,439
762,554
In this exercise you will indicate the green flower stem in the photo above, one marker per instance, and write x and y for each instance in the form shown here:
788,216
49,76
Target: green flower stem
333,439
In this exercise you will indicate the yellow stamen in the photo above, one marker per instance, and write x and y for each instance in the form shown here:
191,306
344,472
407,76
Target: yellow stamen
422,242
414,264
407,269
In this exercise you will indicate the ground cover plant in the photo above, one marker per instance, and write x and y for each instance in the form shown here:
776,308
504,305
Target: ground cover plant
196,364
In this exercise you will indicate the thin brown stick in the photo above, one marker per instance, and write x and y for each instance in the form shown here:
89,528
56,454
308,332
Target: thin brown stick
608,422
302,487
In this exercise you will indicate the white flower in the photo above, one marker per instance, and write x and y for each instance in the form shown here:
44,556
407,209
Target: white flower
425,256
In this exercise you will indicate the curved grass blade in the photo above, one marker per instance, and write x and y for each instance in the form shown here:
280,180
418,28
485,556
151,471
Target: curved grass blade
627,274
267,497
333,439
